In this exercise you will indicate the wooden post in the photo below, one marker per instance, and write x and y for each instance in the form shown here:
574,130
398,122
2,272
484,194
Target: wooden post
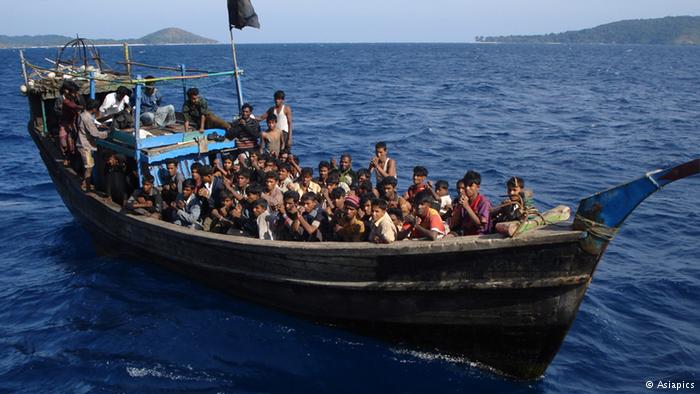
127,62
44,127
137,128
184,83
92,85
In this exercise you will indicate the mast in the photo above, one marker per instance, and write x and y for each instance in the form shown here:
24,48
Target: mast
235,68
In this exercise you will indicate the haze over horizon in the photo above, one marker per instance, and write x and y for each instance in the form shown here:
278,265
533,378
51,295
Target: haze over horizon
336,20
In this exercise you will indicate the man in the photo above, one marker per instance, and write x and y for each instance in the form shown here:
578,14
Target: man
152,108
246,131
349,227
145,201
188,207
283,113
196,111
87,133
347,175
115,102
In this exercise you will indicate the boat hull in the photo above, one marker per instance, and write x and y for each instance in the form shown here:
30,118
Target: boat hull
507,304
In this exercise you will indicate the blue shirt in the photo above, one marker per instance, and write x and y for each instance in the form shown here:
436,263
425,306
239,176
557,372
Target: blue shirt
152,102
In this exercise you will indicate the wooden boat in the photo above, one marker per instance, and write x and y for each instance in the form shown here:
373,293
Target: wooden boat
506,303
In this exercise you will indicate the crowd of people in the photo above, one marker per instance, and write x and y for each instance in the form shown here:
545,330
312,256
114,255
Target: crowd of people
272,197
260,190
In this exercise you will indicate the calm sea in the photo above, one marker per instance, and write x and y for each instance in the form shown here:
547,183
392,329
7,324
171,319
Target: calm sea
571,120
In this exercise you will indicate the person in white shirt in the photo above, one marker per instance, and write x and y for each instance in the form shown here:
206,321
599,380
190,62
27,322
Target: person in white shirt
115,102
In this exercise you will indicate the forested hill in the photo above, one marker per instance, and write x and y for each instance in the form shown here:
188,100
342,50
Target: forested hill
170,35
668,30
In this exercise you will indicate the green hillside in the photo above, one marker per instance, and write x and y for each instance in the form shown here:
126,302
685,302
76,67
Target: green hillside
666,31
170,35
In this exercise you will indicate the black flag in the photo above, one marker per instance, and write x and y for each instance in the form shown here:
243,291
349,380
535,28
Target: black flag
242,14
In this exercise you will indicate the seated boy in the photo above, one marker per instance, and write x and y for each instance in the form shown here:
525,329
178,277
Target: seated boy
272,193
188,207
286,217
404,228
441,193
285,180
313,221
471,216
517,206
305,183
263,220
383,229
348,227
428,223
419,175
145,201
324,168
222,217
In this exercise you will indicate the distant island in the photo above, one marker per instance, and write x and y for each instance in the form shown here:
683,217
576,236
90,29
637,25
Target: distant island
170,35
666,31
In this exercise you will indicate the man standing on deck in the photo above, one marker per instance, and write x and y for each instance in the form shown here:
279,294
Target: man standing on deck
284,118
196,110
152,108
87,132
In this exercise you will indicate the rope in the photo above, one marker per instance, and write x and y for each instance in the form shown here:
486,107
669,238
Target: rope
598,230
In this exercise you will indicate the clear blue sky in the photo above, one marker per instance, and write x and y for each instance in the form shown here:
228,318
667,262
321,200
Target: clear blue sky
332,20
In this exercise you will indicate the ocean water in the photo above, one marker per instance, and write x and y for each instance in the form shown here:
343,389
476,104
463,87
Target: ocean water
571,120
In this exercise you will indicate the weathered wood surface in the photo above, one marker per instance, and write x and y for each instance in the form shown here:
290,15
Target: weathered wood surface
507,303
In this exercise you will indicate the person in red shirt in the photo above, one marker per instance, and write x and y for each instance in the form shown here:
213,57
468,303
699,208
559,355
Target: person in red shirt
428,223
419,175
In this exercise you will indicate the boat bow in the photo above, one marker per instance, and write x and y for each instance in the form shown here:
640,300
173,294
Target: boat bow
602,214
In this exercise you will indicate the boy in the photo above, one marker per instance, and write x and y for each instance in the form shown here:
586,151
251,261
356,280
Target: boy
288,214
349,228
210,193
246,131
272,139
306,184
419,175
283,113
262,220
87,133
272,193
472,216
284,181
428,224
517,206
441,193
324,168
404,228
381,164
222,217
383,229
313,222
145,201
188,207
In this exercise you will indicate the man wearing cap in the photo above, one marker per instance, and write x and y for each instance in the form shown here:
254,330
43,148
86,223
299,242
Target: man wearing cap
152,108
350,228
